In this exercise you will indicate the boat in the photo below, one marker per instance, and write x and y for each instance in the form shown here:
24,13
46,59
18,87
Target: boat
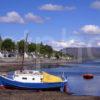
33,79
88,76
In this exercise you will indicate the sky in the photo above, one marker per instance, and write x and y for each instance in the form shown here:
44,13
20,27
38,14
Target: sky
59,23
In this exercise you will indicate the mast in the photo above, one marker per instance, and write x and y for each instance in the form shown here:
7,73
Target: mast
0,42
24,49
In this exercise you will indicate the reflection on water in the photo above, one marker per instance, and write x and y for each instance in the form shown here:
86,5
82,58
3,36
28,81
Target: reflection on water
77,85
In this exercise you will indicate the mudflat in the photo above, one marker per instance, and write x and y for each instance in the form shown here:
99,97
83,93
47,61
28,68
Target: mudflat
40,95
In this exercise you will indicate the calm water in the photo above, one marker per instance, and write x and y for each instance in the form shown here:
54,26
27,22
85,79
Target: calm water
76,84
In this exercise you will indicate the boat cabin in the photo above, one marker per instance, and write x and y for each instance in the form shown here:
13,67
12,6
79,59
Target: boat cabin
28,76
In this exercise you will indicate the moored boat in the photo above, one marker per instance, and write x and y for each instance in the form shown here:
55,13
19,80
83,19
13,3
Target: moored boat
88,76
32,79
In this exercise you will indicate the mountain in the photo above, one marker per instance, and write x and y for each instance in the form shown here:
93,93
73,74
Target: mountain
84,52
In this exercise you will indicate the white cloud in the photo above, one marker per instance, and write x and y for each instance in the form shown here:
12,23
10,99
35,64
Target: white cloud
34,18
95,5
12,17
96,41
15,17
98,44
52,7
70,8
57,45
91,29
75,32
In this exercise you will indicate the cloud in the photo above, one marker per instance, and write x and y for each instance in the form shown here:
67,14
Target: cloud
75,32
34,18
95,5
69,8
98,44
52,7
91,29
96,41
12,17
57,45
15,17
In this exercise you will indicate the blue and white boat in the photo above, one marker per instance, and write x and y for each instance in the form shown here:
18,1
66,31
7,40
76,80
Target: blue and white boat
32,79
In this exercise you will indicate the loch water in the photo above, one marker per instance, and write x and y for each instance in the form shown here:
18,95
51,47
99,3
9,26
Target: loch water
77,85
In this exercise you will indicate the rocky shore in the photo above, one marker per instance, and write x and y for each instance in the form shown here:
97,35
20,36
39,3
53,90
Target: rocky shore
39,60
9,64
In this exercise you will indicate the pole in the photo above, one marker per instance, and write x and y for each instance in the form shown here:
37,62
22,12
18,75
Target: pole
24,49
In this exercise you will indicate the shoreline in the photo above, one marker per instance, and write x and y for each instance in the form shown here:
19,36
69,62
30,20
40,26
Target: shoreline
42,95
10,61
9,64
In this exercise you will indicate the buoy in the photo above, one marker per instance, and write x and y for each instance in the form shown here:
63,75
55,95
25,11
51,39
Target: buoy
88,76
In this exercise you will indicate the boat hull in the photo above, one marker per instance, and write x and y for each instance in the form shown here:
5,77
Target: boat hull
10,83
88,76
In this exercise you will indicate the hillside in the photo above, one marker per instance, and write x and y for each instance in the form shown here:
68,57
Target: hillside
85,53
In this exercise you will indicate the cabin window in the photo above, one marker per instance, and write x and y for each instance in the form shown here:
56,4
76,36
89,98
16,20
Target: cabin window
24,78
33,78
41,79
16,76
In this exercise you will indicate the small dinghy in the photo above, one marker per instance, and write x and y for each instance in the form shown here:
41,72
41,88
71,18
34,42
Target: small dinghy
88,76
32,79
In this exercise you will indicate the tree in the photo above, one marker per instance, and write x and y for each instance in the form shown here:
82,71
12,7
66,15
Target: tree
57,55
0,42
42,49
32,47
48,50
21,46
8,45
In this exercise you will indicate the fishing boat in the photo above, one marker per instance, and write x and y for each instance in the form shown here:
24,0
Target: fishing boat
32,79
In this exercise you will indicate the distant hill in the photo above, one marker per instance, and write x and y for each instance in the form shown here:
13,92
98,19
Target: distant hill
85,53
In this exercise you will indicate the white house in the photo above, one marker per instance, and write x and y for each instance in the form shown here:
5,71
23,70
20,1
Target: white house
1,55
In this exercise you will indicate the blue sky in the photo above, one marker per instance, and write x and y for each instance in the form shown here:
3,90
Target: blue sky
60,23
